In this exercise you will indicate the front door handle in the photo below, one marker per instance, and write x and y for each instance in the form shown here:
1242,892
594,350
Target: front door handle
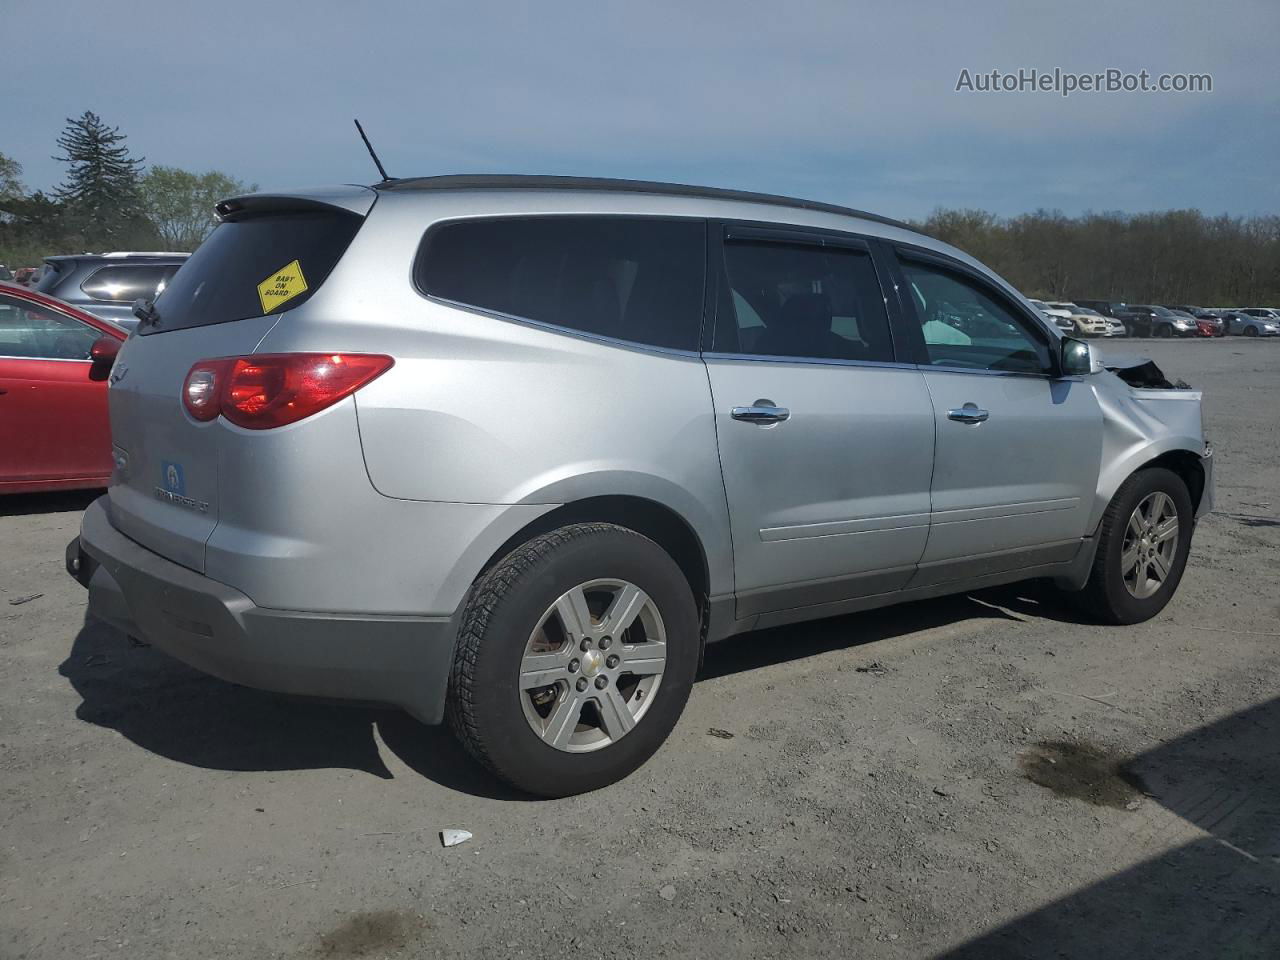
969,413
762,411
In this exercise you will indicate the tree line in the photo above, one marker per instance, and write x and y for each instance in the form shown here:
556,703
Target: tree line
1173,257
109,200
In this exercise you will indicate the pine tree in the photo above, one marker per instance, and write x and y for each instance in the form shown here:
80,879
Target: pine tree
101,187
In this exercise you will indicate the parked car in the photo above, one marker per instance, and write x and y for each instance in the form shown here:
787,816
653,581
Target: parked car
1108,308
586,426
1248,325
1261,313
26,276
5,275
54,362
1147,320
1115,328
107,284
1217,326
1085,321
1060,316
1059,319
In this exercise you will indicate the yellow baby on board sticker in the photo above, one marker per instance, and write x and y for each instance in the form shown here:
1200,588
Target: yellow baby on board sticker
282,286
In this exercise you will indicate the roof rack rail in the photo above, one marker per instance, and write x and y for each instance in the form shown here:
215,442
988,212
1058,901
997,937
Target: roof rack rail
542,182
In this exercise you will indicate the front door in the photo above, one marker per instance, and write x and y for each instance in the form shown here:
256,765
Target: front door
1018,447
826,441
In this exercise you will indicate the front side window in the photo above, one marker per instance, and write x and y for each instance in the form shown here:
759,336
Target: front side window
31,331
127,283
966,325
627,278
801,300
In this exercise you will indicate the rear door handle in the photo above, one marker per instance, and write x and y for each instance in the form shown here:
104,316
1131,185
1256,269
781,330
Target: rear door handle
969,413
762,411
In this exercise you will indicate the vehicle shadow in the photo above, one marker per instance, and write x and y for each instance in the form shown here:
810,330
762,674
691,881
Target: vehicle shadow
179,713
62,501
762,648
1216,896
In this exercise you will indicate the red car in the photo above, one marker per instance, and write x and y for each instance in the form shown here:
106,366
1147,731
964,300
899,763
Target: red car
1206,328
54,364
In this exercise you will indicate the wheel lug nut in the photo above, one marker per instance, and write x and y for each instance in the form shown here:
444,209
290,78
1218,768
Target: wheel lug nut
582,684
601,682
573,666
605,642
612,661
585,645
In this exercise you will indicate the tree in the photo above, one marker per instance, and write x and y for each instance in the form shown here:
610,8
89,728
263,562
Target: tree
10,178
101,189
180,203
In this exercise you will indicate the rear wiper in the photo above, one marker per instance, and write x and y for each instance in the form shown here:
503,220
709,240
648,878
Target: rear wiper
145,311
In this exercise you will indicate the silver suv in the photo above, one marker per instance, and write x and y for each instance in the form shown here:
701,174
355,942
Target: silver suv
512,450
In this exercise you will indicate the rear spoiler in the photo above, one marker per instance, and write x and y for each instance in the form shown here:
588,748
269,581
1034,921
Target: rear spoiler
351,198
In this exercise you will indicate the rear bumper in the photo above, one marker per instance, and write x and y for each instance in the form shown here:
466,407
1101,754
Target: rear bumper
399,660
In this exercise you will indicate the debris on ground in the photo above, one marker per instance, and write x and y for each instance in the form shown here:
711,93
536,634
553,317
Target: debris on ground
875,668
17,601
668,893
451,838
722,734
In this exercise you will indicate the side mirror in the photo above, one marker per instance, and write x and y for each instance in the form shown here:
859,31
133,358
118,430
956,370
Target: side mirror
103,352
1076,361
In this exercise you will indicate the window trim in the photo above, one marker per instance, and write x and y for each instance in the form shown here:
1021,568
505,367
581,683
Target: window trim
420,254
901,252
724,231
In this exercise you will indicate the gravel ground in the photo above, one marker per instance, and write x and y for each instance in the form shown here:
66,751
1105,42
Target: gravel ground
982,776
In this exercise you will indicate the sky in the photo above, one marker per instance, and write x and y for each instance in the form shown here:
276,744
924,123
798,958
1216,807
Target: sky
845,102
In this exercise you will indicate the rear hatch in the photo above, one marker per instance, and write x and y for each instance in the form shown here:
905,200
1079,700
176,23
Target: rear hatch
268,255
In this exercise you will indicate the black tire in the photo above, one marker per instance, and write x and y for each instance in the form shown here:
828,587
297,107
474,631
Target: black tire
1250,331
505,606
1163,330
1105,596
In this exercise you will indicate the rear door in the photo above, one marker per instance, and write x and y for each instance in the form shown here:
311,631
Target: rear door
269,255
826,440
53,407
1018,447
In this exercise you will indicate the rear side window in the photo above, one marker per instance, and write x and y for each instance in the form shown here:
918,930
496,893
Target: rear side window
633,279
802,300
127,282
254,266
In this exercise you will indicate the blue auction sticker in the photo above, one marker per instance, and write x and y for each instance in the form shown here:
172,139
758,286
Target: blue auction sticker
174,482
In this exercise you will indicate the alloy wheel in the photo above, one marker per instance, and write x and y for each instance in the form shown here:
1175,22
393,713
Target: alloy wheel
1150,545
593,665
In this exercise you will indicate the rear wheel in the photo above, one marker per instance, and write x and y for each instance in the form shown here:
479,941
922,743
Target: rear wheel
1143,543
575,658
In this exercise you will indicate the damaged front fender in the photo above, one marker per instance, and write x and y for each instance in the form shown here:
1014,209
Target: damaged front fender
1146,418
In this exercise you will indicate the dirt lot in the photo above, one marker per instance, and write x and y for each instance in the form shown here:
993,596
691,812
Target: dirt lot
984,774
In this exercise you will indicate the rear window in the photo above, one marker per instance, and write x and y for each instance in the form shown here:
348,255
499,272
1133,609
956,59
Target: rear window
255,266
629,278
127,283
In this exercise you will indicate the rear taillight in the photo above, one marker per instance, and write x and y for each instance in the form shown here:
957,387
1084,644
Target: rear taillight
271,390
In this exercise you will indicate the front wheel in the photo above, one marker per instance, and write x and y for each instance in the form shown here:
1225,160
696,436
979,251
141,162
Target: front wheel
1250,331
1143,543
575,658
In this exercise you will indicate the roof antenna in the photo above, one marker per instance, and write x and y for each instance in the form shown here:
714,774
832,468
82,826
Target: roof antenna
369,146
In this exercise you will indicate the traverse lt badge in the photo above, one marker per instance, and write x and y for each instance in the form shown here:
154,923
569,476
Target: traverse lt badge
174,488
